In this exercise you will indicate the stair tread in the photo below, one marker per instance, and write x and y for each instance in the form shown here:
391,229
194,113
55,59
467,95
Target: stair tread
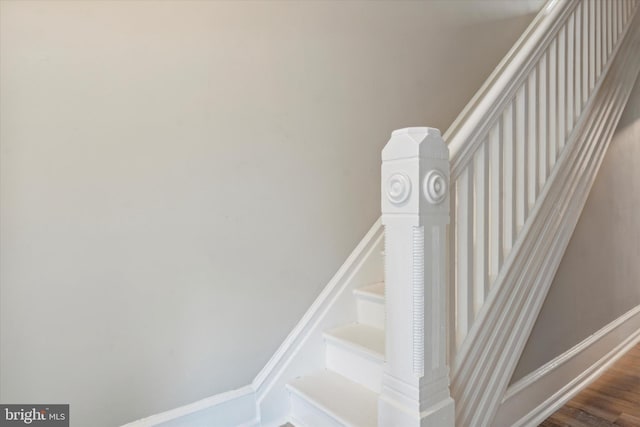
374,292
360,337
349,403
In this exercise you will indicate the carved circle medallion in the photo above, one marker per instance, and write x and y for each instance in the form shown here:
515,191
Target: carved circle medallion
435,186
398,188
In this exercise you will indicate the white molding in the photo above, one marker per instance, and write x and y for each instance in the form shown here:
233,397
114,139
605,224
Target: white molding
235,407
488,356
535,397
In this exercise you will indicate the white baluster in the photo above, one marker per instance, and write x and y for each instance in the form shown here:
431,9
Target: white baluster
509,200
577,79
520,146
592,45
543,131
552,105
532,140
481,227
562,103
415,214
464,253
611,22
598,37
585,54
569,76
495,194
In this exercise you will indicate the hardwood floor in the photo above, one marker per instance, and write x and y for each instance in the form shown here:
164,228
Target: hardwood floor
612,400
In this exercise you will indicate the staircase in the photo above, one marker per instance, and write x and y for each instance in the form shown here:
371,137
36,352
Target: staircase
346,392
475,223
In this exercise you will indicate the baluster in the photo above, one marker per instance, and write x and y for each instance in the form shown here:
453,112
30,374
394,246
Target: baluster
464,249
611,19
495,192
532,142
552,104
605,33
598,37
520,145
578,67
585,54
569,78
508,142
481,227
621,18
562,104
617,7
543,110
415,214
592,46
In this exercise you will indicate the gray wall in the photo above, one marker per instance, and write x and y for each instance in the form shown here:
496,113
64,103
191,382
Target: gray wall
180,179
599,277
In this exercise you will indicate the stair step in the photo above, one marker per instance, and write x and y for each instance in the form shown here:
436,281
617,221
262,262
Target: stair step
327,399
370,304
356,351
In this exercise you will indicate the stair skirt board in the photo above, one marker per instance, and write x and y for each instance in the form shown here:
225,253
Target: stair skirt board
535,397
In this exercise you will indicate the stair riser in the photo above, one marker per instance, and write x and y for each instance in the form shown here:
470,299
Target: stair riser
370,312
361,369
305,414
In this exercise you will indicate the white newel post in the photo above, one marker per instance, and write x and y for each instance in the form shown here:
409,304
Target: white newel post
415,213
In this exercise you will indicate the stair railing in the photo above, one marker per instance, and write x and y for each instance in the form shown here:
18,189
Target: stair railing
505,144
506,147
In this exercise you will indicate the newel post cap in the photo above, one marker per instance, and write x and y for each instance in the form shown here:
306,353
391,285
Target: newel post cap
415,142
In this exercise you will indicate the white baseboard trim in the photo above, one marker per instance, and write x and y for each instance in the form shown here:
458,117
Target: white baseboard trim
535,397
232,408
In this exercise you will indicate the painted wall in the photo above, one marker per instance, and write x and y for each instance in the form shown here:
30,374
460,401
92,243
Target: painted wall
599,277
180,179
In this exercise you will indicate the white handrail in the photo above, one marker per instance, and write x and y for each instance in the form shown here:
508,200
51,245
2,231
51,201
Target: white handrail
502,81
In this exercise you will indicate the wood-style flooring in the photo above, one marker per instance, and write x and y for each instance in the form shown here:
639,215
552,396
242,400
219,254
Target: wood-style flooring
612,400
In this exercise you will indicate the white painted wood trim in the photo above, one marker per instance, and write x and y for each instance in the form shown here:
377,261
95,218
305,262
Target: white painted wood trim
535,397
488,356
235,407
463,134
